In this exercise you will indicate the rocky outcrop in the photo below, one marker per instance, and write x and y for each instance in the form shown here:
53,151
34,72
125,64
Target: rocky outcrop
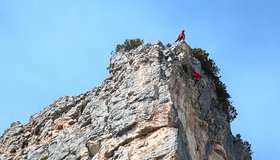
148,108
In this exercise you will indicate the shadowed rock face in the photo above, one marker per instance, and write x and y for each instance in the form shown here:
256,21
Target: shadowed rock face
148,108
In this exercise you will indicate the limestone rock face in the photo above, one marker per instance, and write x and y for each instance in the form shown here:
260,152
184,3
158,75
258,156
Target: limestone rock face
149,108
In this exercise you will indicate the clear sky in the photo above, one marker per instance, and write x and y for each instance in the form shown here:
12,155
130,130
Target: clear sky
54,48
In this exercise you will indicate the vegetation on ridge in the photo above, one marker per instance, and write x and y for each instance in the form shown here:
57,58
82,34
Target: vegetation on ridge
129,44
212,70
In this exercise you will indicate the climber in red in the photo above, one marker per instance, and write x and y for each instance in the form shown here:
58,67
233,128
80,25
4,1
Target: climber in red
196,76
181,36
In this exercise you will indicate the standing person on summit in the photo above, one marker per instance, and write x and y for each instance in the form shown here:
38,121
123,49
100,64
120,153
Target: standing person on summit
181,36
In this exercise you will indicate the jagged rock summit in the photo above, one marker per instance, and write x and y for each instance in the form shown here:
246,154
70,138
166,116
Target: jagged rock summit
148,108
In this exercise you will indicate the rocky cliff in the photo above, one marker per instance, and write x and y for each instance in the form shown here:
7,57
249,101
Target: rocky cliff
148,108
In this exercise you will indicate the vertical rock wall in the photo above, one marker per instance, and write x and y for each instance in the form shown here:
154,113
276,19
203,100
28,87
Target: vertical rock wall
148,108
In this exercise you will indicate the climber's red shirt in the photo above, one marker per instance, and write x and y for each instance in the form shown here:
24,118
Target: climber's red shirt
181,36
196,76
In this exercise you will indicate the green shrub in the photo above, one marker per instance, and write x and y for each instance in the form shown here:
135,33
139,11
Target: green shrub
210,69
44,158
246,145
185,68
208,65
129,44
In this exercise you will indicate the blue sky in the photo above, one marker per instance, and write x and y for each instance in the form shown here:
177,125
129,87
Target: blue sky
50,49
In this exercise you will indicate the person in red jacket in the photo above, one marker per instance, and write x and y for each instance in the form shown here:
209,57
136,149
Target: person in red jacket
196,76
181,36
